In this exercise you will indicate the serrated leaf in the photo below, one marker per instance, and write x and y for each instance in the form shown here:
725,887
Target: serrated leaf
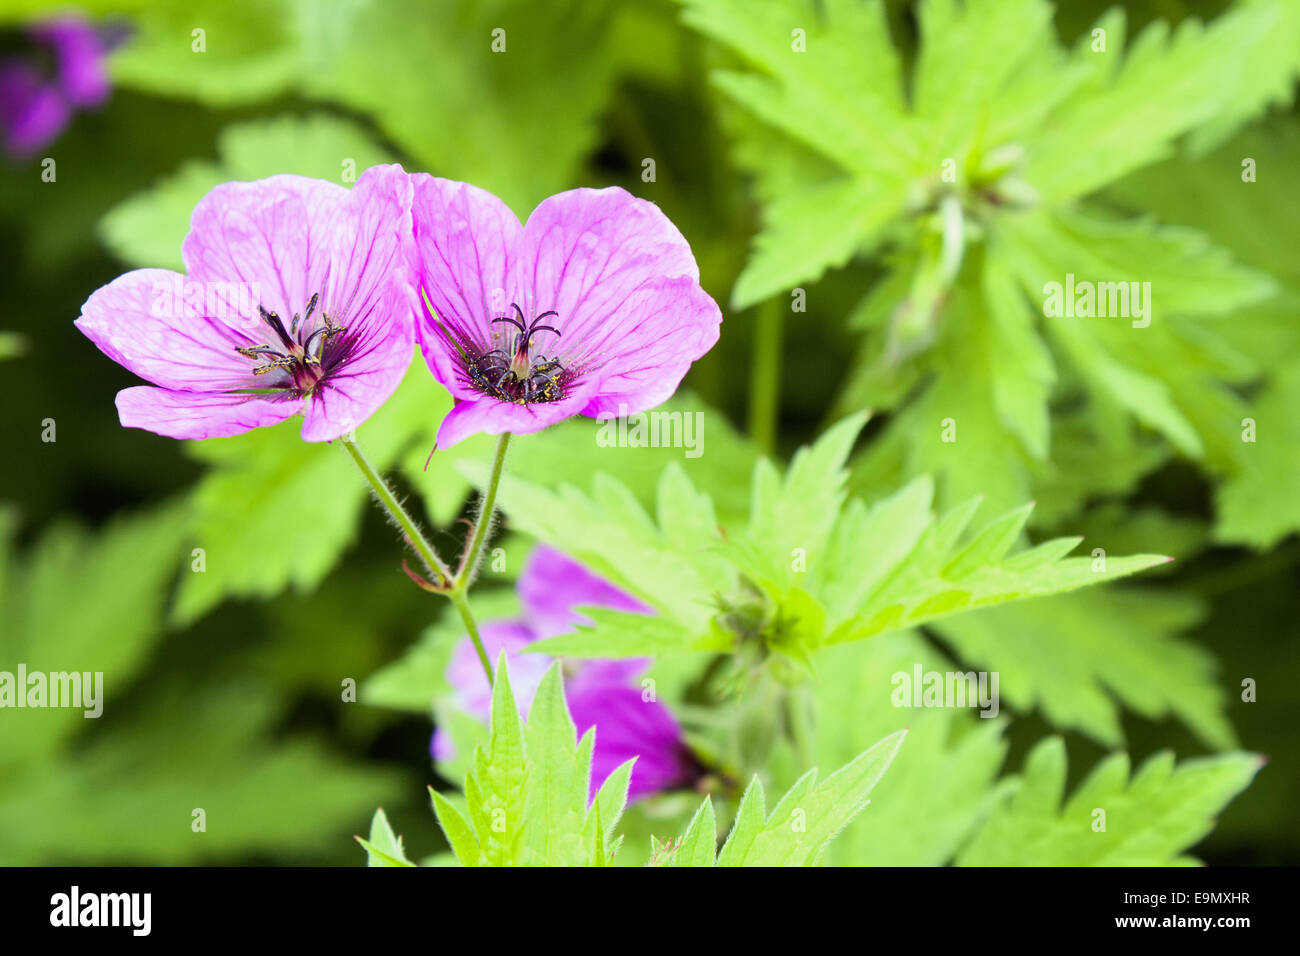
558,775
1150,820
384,848
699,844
1065,654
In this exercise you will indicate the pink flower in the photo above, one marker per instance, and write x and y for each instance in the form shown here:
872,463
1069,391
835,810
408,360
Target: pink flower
593,308
602,694
296,299
37,101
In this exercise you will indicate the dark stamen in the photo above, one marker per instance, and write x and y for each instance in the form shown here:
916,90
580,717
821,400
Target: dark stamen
273,320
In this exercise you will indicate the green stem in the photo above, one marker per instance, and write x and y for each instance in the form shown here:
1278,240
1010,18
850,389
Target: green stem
474,549
432,563
461,601
766,375
453,587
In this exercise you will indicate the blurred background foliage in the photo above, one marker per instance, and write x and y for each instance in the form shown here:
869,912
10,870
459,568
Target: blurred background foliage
224,686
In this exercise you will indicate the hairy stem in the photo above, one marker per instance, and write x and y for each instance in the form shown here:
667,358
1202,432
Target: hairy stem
461,600
384,494
454,588
474,548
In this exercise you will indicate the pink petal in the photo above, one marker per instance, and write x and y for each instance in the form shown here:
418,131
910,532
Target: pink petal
180,414
371,291
663,327
465,246
273,237
626,287
141,320
493,416
628,726
553,585
587,250
355,392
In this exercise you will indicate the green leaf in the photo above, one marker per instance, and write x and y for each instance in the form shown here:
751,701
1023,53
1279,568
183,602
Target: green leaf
805,572
848,80
150,773
1257,506
611,799
558,776
809,816
938,787
120,578
1150,820
1165,86
526,791
384,848
1065,653
700,843
496,787
459,833
750,818
520,138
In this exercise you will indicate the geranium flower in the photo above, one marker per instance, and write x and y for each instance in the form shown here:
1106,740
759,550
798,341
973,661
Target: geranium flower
593,308
63,71
296,299
603,694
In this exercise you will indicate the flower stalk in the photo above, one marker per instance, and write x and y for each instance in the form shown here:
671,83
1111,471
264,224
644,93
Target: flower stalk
454,588
474,549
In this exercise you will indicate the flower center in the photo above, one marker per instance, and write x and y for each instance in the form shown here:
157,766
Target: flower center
302,354
515,375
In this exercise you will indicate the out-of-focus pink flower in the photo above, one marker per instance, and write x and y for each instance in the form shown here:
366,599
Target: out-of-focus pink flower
594,307
64,71
296,299
603,694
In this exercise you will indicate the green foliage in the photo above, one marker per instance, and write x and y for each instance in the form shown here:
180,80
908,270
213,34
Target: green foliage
919,172
938,787
807,571
469,104
147,771
967,191
798,829
1149,820
216,51
1259,222
1064,654
121,579
526,800
526,791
